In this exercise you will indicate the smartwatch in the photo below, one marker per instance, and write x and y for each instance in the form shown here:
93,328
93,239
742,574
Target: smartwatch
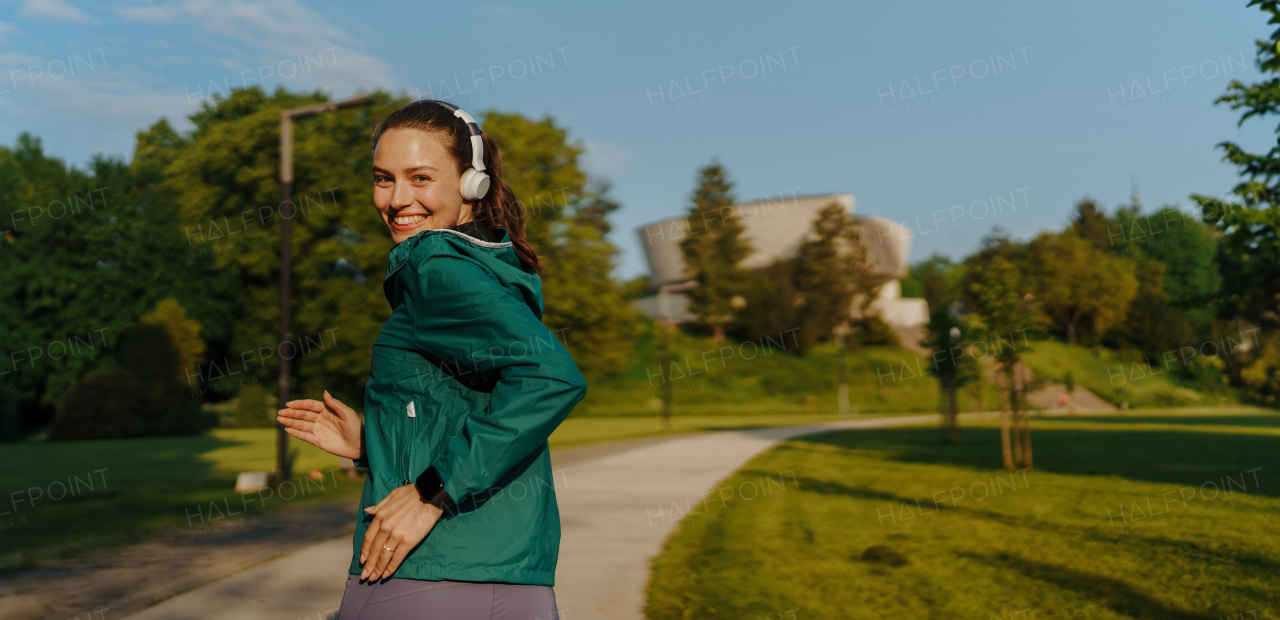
431,489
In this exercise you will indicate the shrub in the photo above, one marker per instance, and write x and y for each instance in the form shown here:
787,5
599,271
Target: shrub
147,397
255,408
102,405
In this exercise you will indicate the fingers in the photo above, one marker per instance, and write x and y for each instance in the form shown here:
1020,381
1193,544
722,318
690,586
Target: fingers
376,552
370,533
331,401
396,558
306,404
337,405
382,558
293,419
295,415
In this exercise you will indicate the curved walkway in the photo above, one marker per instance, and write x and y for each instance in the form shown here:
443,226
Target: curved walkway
617,503
616,506
616,511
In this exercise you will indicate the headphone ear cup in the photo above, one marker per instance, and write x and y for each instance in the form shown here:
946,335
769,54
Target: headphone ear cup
474,185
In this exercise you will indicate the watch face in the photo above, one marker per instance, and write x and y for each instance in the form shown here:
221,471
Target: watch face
429,484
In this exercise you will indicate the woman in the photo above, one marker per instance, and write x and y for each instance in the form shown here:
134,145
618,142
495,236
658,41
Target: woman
465,387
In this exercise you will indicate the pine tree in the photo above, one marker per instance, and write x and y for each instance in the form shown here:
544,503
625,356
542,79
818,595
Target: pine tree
1092,224
832,276
712,250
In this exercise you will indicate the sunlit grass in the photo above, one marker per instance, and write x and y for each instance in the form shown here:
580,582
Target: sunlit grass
1154,515
1104,373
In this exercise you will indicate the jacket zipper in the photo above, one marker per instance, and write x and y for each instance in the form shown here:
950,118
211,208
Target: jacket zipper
406,454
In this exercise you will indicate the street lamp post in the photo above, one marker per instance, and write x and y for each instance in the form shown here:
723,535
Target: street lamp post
286,255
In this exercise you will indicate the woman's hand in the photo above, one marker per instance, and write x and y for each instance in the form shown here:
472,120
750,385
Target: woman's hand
401,520
329,425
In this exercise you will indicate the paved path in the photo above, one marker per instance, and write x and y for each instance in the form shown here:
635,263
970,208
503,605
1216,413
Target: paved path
616,505
306,584
616,511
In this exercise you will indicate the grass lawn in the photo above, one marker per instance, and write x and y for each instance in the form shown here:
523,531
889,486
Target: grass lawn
1153,514
65,498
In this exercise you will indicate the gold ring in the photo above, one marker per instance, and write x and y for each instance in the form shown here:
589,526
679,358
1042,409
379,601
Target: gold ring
387,548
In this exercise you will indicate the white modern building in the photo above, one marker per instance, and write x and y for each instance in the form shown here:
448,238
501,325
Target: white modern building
775,228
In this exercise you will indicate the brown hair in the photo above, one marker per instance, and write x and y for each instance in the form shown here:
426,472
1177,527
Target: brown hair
499,207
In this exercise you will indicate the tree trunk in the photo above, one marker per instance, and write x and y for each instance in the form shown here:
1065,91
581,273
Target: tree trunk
1026,424
1005,449
953,415
1014,407
977,400
717,333
942,413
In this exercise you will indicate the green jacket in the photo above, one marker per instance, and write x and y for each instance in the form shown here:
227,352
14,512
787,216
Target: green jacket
466,378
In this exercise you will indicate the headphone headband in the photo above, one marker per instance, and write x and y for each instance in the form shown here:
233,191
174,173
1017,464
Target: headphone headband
473,128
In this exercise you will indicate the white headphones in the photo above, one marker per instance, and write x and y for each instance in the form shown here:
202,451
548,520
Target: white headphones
475,183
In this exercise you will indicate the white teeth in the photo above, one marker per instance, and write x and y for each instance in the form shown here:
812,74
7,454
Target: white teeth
407,220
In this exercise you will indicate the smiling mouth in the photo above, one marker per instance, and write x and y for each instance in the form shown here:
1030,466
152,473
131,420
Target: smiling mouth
407,222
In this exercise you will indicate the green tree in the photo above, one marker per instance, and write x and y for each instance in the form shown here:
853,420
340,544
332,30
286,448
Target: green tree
999,313
1151,325
832,278
1092,224
184,333
1078,285
712,250
1184,246
567,222
949,363
87,252
1249,225
224,177
770,305
932,279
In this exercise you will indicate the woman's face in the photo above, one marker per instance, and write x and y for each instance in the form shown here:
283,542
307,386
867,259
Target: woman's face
415,183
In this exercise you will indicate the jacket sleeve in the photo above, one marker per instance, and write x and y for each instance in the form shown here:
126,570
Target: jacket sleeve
464,316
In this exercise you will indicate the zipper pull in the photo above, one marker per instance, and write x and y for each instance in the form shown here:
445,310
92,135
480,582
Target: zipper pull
412,413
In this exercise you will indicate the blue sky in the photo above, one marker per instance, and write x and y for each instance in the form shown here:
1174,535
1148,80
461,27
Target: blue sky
948,117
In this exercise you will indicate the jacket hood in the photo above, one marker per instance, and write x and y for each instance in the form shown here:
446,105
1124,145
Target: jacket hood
498,258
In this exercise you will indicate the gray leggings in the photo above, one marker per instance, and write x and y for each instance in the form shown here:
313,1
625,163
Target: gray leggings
453,600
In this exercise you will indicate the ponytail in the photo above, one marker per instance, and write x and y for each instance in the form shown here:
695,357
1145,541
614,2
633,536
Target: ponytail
500,207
